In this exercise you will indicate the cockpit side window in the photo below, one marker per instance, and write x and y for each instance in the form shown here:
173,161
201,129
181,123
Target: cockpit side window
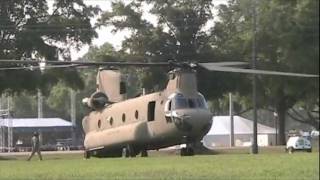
202,102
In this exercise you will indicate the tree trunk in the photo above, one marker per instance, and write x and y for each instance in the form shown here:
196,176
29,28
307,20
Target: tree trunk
281,109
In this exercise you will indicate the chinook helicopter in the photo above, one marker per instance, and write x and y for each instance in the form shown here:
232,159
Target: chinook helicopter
118,126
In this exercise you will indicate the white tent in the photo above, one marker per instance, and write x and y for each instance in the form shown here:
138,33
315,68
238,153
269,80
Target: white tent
221,126
17,132
219,134
35,122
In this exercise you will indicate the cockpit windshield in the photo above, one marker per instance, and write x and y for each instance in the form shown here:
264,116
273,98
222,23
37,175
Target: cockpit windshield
181,102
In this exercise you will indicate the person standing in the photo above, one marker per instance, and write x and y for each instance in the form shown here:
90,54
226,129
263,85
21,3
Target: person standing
35,142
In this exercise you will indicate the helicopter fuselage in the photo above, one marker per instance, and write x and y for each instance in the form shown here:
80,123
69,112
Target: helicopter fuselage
174,116
144,123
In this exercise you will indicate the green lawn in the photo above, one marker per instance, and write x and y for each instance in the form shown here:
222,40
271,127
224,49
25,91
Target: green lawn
232,166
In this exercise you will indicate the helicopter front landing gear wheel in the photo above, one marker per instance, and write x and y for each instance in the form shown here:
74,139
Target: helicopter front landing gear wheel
144,153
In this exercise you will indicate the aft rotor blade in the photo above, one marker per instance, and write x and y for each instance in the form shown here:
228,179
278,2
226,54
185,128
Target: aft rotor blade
254,71
86,63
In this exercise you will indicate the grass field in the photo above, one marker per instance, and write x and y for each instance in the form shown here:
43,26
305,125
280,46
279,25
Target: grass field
231,166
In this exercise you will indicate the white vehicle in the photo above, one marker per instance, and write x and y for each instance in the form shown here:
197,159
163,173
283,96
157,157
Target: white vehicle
297,143
314,133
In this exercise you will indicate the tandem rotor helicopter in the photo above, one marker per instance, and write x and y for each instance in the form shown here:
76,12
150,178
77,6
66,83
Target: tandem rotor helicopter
176,115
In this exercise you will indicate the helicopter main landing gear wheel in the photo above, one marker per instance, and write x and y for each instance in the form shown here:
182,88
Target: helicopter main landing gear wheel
87,154
188,151
128,151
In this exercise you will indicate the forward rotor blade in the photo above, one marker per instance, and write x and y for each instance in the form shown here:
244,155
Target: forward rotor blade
31,68
13,68
253,71
219,66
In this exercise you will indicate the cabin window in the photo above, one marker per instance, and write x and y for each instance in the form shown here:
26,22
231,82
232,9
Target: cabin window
111,121
99,123
136,114
151,110
123,117
123,89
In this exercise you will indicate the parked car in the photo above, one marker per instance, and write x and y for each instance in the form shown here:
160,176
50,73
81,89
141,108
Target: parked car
298,143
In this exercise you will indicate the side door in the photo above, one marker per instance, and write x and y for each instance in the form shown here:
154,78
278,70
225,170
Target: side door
307,144
300,143
151,111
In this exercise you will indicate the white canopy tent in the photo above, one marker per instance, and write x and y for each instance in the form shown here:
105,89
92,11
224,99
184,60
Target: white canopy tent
219,134
35,122
221,126
20,130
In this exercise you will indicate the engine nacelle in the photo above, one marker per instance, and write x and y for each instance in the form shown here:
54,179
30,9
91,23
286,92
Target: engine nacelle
97,100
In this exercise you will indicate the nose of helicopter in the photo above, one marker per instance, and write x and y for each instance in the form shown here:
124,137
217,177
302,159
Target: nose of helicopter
195,122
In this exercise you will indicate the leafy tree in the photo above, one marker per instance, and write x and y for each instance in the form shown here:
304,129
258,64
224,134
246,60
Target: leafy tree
287,40
28,29
307,112
20,105
178,33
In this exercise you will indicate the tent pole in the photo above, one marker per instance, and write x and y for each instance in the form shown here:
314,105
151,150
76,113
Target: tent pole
231,120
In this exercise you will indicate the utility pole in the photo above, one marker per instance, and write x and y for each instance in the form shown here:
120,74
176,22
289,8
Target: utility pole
9,125
2,133
73,115
40,104
254,82
231,120
276,126
40,111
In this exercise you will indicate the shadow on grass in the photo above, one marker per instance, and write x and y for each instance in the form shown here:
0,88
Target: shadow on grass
3,158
